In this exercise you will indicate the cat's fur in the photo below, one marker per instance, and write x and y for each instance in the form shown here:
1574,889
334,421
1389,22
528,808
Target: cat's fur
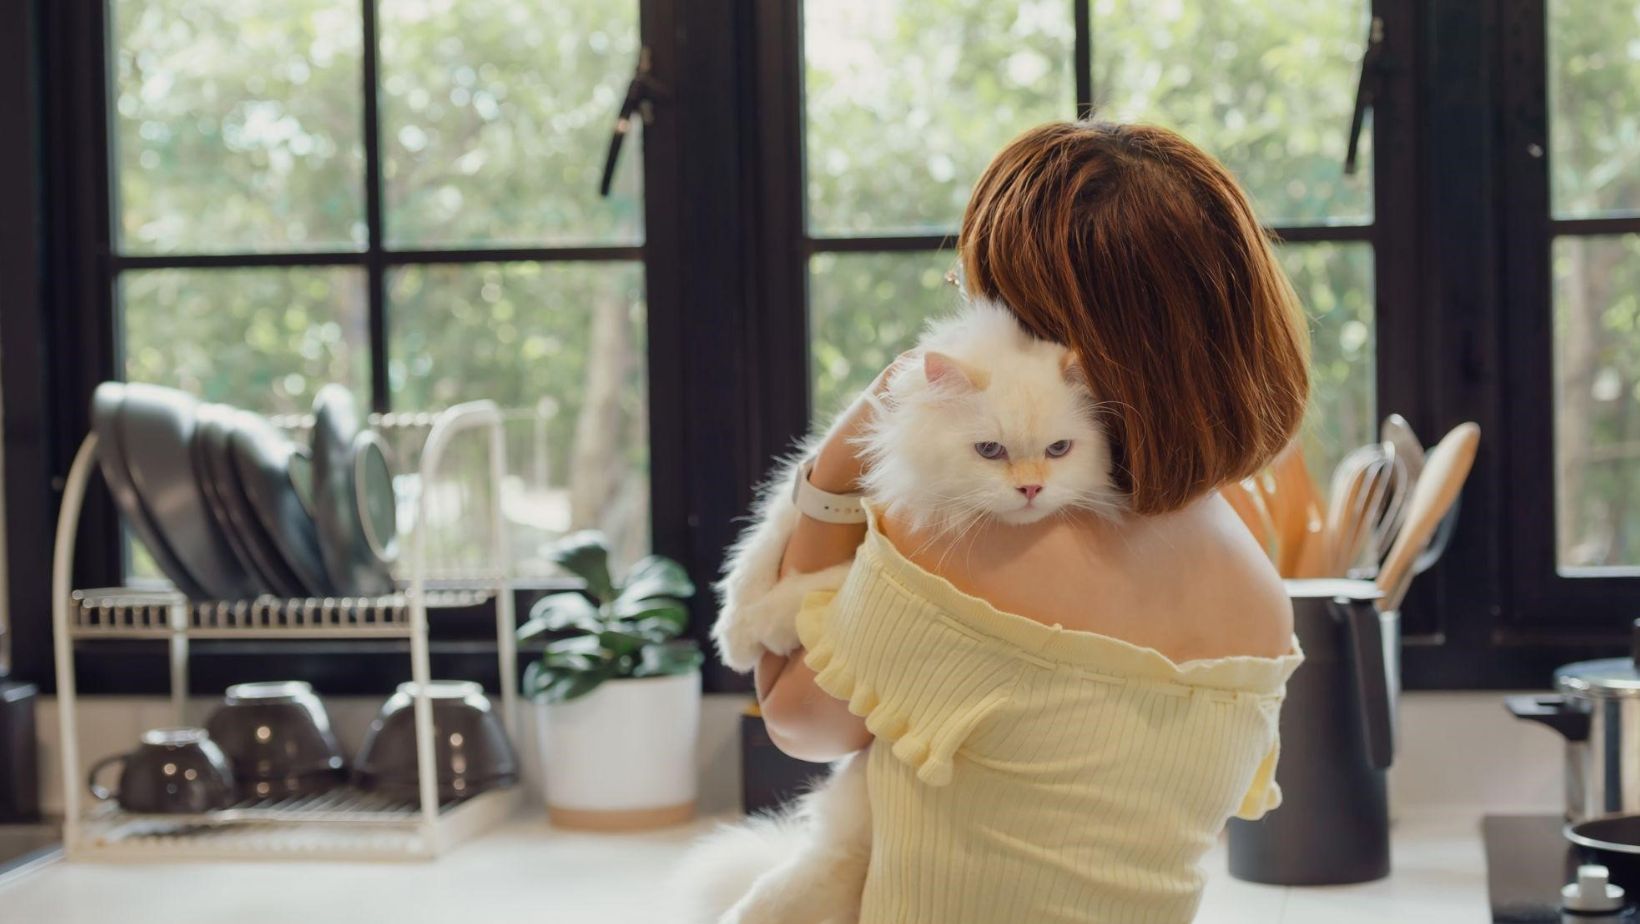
977,383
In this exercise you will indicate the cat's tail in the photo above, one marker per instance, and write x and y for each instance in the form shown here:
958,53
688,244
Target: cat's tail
721,867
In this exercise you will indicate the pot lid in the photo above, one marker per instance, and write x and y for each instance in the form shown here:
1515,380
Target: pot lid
1609,677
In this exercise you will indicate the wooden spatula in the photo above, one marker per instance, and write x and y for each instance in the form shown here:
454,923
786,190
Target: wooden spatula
1445,469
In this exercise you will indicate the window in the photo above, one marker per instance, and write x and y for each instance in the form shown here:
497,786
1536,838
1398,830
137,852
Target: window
1594,195
400,195
1268,88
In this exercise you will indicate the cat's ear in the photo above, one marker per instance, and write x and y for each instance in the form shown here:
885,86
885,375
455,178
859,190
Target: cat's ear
948,370
1071,370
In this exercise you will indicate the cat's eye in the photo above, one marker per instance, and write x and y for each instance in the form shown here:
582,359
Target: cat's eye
1055,450
991,450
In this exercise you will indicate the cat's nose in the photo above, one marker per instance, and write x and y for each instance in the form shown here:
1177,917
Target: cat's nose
1030,491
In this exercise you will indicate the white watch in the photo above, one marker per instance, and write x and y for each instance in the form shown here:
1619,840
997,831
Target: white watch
824,506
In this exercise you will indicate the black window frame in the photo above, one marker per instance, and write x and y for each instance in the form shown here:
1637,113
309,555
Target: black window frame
1460,238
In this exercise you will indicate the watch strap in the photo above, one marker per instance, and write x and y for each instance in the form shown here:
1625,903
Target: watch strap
818,504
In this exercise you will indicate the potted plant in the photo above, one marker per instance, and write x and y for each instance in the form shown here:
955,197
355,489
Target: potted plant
617,692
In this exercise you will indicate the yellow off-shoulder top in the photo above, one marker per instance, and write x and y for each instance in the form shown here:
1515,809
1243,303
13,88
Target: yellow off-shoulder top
1027,773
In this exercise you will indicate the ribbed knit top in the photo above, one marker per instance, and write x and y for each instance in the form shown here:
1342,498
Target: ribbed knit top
1029,773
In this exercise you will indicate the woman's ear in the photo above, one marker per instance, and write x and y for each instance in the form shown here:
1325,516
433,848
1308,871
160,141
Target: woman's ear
944,370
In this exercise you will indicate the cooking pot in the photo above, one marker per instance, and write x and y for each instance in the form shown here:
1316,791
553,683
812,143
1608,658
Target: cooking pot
1596,709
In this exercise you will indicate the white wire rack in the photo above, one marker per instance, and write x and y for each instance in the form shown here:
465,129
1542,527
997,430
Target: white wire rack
346,823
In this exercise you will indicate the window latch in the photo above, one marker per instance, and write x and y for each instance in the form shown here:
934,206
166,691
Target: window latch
1366,89
641,95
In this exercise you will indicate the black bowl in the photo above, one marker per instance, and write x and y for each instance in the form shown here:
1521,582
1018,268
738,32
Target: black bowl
277,736
471,752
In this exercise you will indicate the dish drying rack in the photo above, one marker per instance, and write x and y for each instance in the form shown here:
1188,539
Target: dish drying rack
343,823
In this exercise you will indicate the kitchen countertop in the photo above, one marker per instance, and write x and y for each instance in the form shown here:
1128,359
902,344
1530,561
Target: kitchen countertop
525,871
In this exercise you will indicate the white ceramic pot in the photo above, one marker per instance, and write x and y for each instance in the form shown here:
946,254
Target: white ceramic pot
622,757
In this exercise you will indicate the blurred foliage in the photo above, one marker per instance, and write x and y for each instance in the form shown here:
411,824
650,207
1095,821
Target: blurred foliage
1594,124
1266,86
264,339
495,116
907,100
1594,160
521,334
238,125
864,309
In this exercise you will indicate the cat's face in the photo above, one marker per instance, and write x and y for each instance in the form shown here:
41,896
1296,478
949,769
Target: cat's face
1011,436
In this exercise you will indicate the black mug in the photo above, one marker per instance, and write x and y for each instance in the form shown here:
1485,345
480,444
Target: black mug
173,771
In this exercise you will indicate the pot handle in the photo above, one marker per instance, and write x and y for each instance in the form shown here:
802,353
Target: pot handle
1372,679
1556,711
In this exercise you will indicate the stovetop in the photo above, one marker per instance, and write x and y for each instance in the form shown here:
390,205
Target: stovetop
1527,861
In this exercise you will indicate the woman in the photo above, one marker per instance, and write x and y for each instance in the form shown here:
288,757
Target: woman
1133,708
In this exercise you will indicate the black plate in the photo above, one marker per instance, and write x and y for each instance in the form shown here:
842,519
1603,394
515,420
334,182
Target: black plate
105,414
205,419
353,494
271,472
157,427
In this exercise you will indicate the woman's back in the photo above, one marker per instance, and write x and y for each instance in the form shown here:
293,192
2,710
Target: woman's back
1031,771
1190,584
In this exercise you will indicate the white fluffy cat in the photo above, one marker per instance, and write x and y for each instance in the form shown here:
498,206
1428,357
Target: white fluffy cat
987,423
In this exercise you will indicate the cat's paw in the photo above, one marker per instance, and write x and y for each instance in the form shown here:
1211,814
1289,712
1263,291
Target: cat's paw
740,643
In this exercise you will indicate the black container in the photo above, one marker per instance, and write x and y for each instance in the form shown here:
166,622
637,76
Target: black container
1336,744
19,755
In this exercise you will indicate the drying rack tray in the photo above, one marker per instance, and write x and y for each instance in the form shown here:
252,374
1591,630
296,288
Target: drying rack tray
124,613
344,823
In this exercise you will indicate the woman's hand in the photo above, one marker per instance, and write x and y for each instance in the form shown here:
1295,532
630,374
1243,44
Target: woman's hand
838,466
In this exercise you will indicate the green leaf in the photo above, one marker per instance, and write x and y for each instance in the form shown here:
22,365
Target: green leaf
586,555
657,576
535,677
655,629
564,611
667,609
619,643
562,686
566,649
672,658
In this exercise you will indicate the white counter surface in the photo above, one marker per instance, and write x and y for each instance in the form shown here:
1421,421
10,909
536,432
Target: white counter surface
528,872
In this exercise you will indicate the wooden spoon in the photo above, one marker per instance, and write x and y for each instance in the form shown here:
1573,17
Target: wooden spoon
1445,471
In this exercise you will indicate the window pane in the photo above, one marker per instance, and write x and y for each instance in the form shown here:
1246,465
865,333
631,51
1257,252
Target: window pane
864,310
907,100
1597,400
1335,289
262,339
1266,87
237,125
496,116
868,307
1594,91
560,347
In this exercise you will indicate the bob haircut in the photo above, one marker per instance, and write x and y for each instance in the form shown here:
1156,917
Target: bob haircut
1139,251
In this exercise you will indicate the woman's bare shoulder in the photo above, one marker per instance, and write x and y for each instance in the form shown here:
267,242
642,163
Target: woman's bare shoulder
1192,584
1251,613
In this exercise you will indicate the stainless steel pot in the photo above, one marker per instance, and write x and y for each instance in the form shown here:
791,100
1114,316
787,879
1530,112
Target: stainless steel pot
1597,711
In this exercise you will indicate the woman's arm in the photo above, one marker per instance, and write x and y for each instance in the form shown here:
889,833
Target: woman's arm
803,720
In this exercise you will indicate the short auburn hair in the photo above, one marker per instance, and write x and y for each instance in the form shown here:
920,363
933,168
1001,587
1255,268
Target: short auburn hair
1141,253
